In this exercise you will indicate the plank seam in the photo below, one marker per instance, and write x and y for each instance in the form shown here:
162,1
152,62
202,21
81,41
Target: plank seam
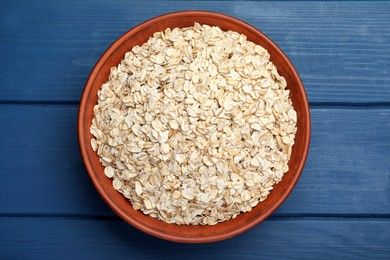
299,216
313,105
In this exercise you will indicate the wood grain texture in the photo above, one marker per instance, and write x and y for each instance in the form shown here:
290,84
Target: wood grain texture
347,171
49,238
340,49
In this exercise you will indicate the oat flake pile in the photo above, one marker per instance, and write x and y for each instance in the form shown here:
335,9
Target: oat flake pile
195,126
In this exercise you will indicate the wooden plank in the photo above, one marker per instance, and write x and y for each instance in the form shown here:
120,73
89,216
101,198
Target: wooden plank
341,50
347,163
49,238
44,172
347,171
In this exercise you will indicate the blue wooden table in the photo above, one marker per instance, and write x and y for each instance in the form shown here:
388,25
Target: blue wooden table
339,209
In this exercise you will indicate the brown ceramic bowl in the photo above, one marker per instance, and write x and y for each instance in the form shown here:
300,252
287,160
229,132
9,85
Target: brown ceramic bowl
192,234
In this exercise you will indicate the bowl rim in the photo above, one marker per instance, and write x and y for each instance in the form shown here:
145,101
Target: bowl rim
83,147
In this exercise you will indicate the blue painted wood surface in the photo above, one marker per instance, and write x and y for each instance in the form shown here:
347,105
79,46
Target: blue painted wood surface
341,49
306,238
346,163
339,209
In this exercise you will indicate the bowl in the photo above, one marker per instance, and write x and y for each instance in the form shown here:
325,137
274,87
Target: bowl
187,233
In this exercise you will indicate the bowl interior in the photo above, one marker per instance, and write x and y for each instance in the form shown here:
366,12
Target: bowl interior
192,234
